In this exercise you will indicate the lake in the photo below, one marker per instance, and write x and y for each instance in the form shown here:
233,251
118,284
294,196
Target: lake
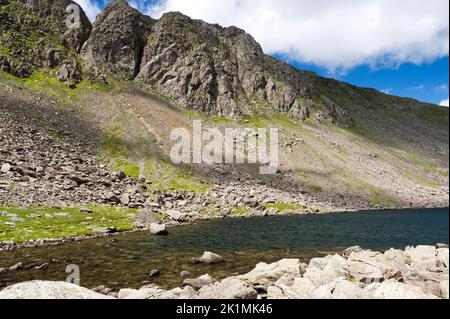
125,261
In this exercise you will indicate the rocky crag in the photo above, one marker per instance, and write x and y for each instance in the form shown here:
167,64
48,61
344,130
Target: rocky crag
81,108
414,273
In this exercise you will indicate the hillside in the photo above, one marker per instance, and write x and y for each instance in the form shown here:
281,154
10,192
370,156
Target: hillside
86,116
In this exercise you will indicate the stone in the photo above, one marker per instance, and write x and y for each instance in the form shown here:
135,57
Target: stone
15,267
208,258
442,254
368,266
199,282
111,198
230,288
125,199
301,288
392,289
158,229
184,274
6,167
48,290
267,274
355,249
154,273
421,253
345,289
175,215
335,268
444,289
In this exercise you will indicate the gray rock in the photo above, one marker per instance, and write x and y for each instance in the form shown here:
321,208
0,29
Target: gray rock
48,290
158,229
396,290
230,288
208,258
199,282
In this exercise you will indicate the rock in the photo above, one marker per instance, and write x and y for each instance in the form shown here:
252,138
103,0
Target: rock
49,290
208,258
6,167
87,210
355,249
230,288
117,40
266,275
444,289
15,267
111,198
125,199
154,273
334,269
148,293
347,290
392,289
319,263
175,215
158,229
199,282
121,176
442,254
301,288
184,274
368,266
421,253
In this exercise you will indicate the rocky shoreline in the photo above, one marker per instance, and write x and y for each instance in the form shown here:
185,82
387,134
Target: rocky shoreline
413,273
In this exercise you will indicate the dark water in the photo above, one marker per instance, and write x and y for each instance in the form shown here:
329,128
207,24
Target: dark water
125,261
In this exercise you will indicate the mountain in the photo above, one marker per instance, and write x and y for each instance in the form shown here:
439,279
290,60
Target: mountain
124,82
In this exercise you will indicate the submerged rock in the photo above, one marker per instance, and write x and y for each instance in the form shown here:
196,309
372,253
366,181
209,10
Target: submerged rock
208,258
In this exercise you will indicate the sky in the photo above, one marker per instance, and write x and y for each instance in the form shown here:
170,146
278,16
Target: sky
398,47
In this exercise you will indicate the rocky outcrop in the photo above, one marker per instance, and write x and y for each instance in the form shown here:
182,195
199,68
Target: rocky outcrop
117,40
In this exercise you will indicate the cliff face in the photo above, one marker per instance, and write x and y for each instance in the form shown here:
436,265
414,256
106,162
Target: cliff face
117,40
204,67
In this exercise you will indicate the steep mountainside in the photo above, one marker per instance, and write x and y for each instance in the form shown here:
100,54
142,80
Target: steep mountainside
112,92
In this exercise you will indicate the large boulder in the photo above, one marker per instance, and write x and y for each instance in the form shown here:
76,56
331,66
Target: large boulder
230,288
158,229
48,290
392,289
300,288
266,275
335,268
369,266
199,282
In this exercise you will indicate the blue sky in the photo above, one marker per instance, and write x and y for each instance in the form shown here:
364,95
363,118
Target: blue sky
399,47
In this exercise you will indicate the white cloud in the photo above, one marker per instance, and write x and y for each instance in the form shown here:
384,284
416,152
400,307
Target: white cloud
90,7
337,35
444,103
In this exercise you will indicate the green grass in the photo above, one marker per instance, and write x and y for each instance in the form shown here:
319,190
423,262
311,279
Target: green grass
316,189
50,225
239,211
166,176
284,207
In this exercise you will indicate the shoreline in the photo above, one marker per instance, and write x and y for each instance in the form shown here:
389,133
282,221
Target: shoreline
419,272
6,246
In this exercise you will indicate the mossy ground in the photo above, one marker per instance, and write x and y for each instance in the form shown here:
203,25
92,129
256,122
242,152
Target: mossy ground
285,207
47,222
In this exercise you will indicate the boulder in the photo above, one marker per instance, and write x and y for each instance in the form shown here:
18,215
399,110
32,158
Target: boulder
392,289
230,288
266,275
153,292
368,266
301,288
199,282
335,268
421,253
175,215
208,258
442,254
345,289
6,167
444,289
49,290
158,229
